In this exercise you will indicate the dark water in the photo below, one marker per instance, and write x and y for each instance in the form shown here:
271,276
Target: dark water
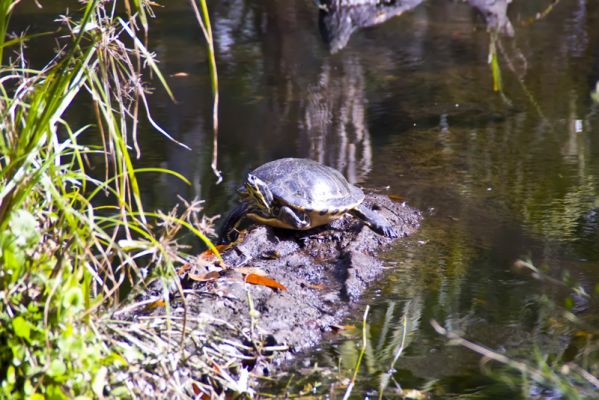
409,104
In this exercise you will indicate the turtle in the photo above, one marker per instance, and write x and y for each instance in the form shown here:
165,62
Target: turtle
300,194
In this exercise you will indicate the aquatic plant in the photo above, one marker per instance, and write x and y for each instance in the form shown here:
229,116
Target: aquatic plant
563,359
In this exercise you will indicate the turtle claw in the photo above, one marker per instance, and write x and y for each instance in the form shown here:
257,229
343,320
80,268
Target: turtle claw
390,232
376,222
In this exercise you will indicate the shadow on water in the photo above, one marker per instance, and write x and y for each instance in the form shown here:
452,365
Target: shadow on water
409,105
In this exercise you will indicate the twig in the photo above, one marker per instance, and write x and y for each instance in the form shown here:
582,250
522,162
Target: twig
362,351
487,353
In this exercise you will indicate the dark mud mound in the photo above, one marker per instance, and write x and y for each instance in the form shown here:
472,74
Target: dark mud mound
324,271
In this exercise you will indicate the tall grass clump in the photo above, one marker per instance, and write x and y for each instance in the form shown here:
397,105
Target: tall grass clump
63,256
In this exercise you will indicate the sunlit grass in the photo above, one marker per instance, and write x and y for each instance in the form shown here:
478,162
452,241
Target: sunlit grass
64,257
360,366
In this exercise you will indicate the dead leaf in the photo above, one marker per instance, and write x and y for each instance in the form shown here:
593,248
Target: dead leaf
251,270
195,388
208,276
317,286
216,367
184,268
413,394
583,334
154,305
255,279
209,254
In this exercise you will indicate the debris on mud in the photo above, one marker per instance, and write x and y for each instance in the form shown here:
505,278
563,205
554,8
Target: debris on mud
220,325
321,272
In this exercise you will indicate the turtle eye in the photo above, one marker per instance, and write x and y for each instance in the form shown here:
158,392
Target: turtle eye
252,184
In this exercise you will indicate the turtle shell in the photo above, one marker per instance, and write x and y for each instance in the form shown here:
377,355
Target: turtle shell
309,186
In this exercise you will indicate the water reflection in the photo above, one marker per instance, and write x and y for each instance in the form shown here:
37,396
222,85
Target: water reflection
505,180
339,19
334,126
294,99
410,104
495,15
297,100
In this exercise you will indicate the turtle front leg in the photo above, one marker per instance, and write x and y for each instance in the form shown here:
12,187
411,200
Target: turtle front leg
296,219
285,217
376,222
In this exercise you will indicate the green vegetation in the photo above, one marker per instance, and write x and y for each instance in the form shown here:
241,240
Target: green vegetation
563,361
69,240
77,248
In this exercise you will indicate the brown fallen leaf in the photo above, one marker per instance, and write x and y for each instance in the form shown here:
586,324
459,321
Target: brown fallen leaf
251,270
195,388
255,279
199,392
184,268
154,305
317,286
209,254
206,277
583,334
216,367
413,394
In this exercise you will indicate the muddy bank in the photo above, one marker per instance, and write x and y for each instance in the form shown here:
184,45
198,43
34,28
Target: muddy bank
324,271
228,332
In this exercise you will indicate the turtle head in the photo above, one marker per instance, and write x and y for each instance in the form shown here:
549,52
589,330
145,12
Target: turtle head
258,191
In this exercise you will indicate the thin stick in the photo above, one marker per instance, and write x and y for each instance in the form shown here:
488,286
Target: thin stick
362,351
487,353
